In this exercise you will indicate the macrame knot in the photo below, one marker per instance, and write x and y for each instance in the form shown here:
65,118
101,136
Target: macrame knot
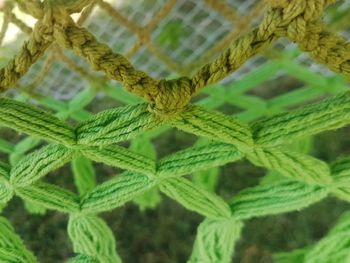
313,39
308,10
54,19
43,30
172,96
6,191
296,15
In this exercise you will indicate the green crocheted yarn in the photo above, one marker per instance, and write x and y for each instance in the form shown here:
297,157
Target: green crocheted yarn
60,133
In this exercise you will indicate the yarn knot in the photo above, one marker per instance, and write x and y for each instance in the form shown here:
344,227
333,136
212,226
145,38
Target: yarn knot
54,19
172,96
38,9
295,15
308,10
6,191
70,6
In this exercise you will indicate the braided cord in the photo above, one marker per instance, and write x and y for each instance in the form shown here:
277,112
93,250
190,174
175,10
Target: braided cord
307,179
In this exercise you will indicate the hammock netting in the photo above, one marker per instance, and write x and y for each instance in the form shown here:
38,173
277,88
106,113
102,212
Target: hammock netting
151,57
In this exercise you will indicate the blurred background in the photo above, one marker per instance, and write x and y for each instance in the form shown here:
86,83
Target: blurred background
166,39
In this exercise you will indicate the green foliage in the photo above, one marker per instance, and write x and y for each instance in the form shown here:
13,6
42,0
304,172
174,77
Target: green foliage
172,34
34,208
297,256
208,179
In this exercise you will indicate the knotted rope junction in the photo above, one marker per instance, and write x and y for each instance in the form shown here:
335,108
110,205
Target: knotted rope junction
307,179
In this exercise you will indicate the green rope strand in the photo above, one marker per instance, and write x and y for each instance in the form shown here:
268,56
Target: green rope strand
215,240
84,175
307,179
195,198
116,192
12,249
92,237
51,197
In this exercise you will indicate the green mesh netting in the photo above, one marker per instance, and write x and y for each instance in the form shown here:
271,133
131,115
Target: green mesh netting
54,83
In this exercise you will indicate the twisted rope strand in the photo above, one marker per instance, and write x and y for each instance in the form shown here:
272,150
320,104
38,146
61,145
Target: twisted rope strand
307,179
